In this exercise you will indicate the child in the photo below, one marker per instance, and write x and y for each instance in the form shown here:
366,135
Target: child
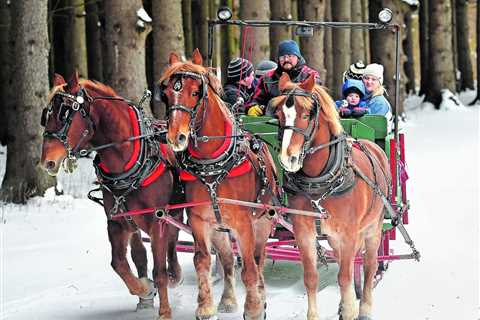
352,106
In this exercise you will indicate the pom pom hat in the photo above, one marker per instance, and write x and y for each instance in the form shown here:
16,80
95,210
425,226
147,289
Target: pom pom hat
237,67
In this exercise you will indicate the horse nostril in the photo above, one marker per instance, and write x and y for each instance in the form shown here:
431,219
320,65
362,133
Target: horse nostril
50,164
181,138
293,159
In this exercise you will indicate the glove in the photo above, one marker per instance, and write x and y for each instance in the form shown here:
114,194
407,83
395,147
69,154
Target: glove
344,112
255,111
359,112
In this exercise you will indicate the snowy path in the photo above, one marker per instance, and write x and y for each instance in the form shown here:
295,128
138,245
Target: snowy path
55,253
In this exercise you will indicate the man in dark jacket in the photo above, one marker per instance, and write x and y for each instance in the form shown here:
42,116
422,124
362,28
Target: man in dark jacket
290,61
239,83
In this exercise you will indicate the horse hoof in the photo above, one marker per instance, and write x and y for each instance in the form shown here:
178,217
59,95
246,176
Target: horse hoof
151,290
263,314
364,318
227,307
144,304
174,281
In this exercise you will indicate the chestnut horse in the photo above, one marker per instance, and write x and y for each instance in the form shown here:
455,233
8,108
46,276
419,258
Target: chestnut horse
325,171
131,170
217,161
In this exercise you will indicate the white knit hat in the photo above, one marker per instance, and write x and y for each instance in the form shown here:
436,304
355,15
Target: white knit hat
376,70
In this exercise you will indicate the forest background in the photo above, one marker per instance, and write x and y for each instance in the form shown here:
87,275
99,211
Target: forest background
125,44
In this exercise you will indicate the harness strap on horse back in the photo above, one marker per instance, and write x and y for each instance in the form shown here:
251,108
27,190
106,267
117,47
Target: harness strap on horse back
396,218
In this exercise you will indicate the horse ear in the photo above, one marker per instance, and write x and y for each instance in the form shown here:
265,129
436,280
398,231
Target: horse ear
58,80
73,82
197,57
308,84
173,58
284,79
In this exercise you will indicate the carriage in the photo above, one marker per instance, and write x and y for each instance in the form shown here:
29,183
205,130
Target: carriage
275,218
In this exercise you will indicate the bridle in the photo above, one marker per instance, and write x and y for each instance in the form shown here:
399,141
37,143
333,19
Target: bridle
203,97
307,133
81,103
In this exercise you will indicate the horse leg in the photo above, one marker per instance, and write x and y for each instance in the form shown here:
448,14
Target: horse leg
346,254
174,270
253,309
202,260
159,250
139,257
138,254
263,228
305,236
370,265
223,246
119,237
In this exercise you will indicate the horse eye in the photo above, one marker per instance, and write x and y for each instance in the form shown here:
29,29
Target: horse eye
195,93
305,116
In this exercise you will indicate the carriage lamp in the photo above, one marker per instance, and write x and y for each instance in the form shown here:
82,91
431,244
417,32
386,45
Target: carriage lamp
385,15
224,13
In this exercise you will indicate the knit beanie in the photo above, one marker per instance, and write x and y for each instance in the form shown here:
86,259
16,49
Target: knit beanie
375,70
237,67
289,47
264,66
355,71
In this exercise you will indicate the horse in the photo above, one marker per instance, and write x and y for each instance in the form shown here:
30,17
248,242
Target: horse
219,160
133,173
326,172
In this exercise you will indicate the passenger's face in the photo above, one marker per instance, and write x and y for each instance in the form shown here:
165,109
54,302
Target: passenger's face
353,98
371,82
248,80
288,61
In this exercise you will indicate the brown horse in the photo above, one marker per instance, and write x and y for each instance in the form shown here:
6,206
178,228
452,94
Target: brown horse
132,172
325,171
217,161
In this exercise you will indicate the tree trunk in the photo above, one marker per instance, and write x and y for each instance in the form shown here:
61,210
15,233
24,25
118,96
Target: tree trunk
5,70
227,41
408,47
327,48
312,47
94,42
281,10
23,176
366,32
477,98
463,48
382,44
357,43
76,39
340,44
454,44
60,24
187,26
167,26
257,40
424,46
125,39
200,14
442,72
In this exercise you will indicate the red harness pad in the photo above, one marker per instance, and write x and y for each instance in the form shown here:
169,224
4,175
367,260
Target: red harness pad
237,171
158,171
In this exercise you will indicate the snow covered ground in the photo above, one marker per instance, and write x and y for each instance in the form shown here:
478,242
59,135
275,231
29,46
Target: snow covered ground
55,256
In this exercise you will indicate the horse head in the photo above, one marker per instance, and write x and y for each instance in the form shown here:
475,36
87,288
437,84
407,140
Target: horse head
184,88
302,108
67,123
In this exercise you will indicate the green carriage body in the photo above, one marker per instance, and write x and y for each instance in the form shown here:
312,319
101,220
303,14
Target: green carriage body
368,127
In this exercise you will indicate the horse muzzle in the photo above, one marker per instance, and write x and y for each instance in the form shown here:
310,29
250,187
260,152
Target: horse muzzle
290,163
179,142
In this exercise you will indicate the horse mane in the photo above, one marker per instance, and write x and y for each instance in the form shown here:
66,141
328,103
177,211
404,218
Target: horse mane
326,104
188,66
100,88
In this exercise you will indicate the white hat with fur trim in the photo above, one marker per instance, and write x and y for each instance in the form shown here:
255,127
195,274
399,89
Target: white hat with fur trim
376,70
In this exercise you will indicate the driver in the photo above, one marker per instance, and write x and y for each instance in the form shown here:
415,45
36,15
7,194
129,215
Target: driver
290,61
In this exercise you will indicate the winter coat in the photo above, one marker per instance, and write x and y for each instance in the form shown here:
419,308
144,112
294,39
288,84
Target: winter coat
267,87
231,93
378,105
